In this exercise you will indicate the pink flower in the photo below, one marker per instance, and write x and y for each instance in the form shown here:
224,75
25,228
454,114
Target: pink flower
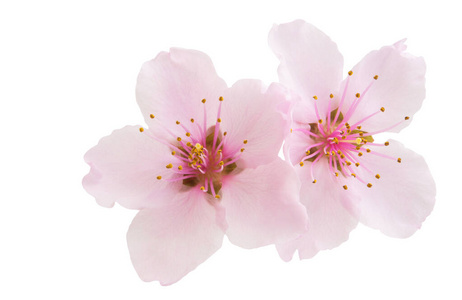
346,175
206,165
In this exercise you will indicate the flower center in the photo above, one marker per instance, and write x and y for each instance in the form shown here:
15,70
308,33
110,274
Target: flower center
341,143
200,159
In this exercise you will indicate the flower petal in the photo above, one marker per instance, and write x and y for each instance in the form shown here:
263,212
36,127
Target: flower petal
124,167
166,243
400,87
402,198
310,61
262,205
331,215
251,113
172,85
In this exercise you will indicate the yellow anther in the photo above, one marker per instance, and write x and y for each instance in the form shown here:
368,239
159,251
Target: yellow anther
202,188
353,174
178,139
180,167
342,156
218,120
399,159
331,96
314,181
301,164
336,174
347,125
291,130
217,196
242,149
382,109
343,137
348,163
360,154
225,133
386,143
406,118
320,121
188,144
358,148
151,116
335,140
307,152
221,98
159,177
377,176
315,97
376,77
141,129
177,122
221,163
169,166
192,120
358,127
368,150
173,152
358,95
345,187
203,100
188,134
350,73
369,185
245,141
357,164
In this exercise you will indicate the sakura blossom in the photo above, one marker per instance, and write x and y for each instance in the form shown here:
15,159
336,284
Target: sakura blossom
346,175
205,165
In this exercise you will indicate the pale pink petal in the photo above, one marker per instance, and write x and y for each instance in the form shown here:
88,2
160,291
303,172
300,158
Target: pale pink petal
124,167
251,112
331,214
402,198
262,205
166,243
172,85
400,87
297,142
310,61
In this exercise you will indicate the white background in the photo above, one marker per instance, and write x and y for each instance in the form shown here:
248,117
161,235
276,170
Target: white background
67,77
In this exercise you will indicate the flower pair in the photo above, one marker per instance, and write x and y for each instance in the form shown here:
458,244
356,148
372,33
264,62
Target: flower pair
207,163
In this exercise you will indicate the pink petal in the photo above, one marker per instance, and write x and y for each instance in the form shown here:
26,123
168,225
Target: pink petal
166,243
124,167
402,198
262,205
310,62
400,87
331,215
172,85
250,112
